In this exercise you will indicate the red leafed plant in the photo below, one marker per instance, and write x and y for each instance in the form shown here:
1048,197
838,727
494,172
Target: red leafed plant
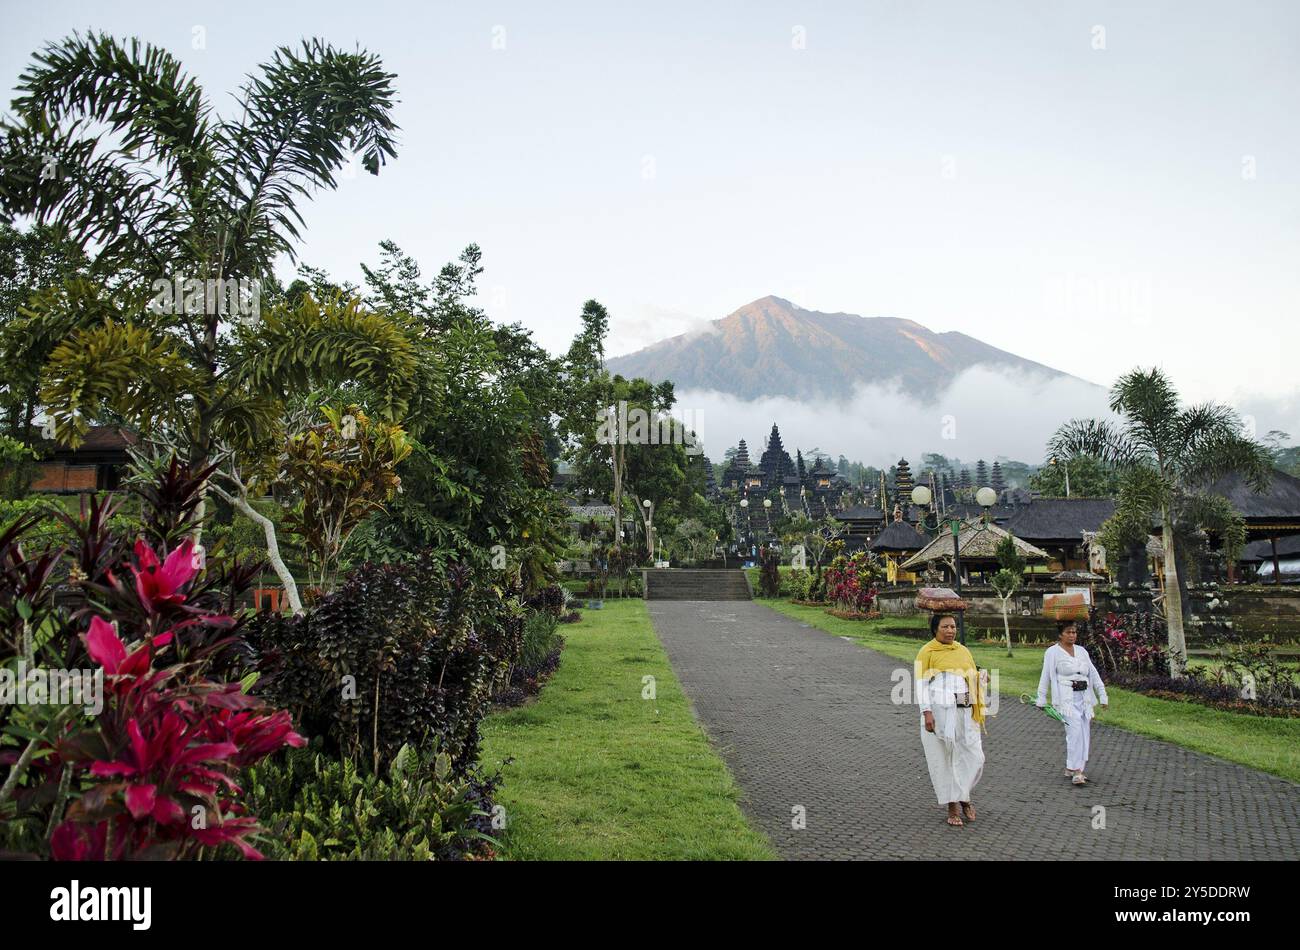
162,758
151,773
850,583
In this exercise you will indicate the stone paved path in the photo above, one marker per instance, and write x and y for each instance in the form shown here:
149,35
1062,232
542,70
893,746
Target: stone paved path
804,718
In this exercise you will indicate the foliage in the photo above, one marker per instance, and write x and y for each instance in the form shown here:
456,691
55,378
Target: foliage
342,470
169,192
1089,478
769,578
397,655
150,772
1167,456
851,582
1128,643
317,808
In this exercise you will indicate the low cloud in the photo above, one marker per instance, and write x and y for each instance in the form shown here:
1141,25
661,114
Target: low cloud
637,327
984,413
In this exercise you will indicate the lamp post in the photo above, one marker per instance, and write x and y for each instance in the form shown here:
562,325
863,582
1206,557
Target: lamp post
749,535
922,496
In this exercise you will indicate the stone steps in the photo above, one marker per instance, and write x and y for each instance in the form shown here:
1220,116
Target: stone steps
685,584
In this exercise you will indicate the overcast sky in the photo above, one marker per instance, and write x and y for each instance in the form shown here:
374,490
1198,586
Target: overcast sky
1090,185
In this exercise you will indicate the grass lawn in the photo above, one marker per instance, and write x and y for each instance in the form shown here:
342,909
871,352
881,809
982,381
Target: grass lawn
1269,744
598,773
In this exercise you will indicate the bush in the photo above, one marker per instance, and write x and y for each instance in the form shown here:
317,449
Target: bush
150,774
1129,643
316,808
398,655
850,583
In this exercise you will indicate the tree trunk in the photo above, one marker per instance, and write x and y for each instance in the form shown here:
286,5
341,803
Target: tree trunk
272,547
1173,600
1006,622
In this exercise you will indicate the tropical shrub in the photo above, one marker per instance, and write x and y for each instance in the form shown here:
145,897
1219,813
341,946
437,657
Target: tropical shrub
318,808
769,577
850,583
1129,643
398,655
145,766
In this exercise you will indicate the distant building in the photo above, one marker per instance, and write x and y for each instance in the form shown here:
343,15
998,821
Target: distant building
96,465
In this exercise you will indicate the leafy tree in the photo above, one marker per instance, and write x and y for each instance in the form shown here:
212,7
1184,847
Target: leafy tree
31,261
1089,478
118,148
1008,579
1166,454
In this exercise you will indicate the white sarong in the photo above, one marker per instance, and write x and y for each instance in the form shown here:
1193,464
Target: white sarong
953,752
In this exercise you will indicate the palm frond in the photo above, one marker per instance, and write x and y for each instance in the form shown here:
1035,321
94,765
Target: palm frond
308,108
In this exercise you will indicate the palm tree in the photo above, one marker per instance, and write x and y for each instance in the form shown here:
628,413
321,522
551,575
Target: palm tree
113,143
1167,455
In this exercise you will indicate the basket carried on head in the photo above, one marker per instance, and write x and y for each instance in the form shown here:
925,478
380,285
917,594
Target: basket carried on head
1071,606
939,599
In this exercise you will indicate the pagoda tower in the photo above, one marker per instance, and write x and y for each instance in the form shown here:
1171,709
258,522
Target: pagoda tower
734,476
981,474
775,461
903,483
997,481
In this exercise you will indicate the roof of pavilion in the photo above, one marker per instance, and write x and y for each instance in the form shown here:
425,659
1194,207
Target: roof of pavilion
860,513
975,542
1058,519
1281,501
898,536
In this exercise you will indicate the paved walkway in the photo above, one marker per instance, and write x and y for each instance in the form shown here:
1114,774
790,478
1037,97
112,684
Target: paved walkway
804,718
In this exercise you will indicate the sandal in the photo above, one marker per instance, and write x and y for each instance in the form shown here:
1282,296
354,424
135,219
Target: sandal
968,810
955,821
1079,780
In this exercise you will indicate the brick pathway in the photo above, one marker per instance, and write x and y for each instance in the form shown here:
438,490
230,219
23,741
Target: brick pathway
804,718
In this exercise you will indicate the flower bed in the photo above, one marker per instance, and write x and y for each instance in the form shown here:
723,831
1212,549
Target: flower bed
853,614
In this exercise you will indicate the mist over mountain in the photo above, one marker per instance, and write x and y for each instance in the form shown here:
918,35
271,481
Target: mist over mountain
871,388
773,348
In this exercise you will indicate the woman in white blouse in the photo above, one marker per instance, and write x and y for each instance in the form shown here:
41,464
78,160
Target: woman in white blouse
1076,690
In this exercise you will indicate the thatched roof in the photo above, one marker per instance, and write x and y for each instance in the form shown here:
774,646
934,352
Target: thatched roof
1281,500
1263,550
898,536
1060,519
976,542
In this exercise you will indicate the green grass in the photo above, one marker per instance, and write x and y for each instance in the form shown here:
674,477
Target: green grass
1268,744
598,773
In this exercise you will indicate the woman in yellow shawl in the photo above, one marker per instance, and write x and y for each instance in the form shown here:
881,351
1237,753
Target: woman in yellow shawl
952,714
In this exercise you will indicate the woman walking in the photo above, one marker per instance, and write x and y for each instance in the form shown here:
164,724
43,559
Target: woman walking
1076,690
952,713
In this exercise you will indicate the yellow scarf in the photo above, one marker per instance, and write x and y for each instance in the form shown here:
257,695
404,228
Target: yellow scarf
936,657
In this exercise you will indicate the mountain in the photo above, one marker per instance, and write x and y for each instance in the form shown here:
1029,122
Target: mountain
772,347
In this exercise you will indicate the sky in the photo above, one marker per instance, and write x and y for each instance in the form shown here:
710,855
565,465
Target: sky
1089,185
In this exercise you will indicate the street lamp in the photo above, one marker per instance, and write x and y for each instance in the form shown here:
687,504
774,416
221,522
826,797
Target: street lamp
921,495
986,498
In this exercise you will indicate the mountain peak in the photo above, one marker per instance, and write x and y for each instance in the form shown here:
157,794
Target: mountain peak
773,347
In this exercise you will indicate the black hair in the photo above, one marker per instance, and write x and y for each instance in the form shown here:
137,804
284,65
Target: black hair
935,619
1061,626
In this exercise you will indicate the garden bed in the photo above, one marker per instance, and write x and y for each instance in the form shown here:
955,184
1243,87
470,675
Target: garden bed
853,614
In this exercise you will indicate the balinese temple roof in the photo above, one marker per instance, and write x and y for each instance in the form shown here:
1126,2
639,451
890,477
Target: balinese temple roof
898,537
976,542
861,513
1276,509
1059,519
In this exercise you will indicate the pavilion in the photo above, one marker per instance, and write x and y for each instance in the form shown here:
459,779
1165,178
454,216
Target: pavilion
977,546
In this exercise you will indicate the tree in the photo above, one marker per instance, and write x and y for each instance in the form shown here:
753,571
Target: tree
1008,578
113,144
31,261
1089,478
1166,455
